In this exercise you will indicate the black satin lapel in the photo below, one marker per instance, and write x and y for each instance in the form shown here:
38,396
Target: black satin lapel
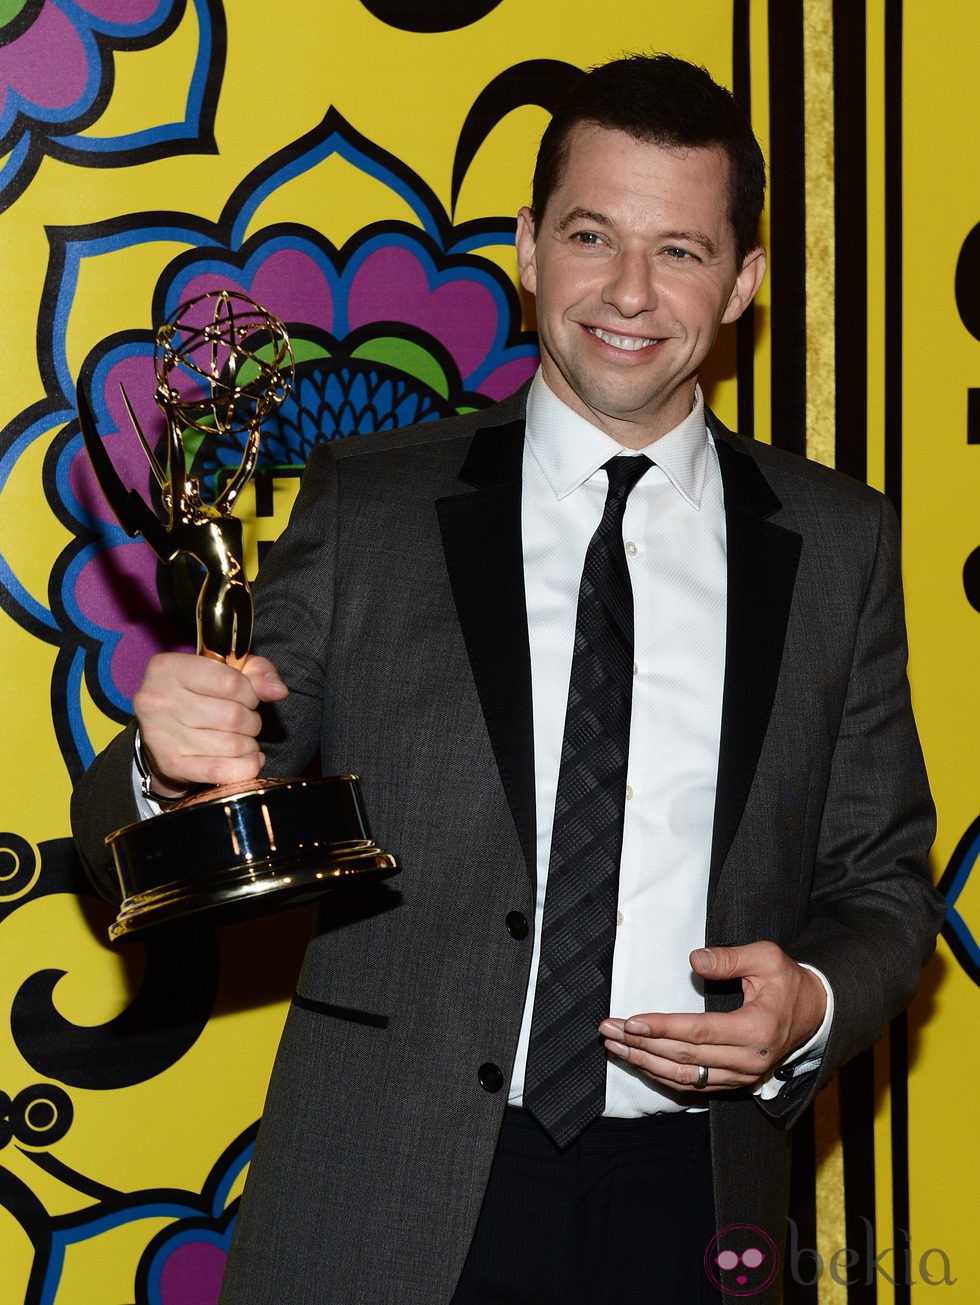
762,562
481,533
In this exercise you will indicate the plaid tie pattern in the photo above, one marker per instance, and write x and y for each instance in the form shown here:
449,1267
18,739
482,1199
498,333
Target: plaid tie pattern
565,1080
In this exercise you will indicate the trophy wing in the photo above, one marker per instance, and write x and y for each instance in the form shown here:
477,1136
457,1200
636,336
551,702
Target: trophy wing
133,514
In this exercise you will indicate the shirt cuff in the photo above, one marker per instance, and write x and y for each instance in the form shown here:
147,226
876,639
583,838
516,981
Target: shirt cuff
805,1059
145,806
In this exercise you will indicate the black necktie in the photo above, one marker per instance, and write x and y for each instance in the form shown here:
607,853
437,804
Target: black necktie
565,1081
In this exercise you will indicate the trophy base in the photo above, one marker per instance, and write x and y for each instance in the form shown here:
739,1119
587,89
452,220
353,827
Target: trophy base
232,852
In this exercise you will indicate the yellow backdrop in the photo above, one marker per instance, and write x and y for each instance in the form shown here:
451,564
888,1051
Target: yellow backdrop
356,166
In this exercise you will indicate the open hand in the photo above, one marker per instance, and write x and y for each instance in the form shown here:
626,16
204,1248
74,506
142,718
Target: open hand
783,1007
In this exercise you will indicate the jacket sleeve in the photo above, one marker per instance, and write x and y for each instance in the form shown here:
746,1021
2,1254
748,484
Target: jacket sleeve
102,802
873,913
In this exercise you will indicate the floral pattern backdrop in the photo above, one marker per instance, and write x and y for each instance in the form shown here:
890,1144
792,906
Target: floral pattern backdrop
355,167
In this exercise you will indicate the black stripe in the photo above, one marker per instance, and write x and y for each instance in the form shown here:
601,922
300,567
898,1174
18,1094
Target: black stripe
745,326
893,252
894,345
69,1177
857,1117
850,238
898,1066
973,416
800,1276
788,234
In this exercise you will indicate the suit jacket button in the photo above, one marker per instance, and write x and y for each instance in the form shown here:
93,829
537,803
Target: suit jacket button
517,925
491,1079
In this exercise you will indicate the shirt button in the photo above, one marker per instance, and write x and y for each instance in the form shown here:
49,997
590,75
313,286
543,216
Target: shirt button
619,917
491,1079
631,548
629,791
636,669
517,925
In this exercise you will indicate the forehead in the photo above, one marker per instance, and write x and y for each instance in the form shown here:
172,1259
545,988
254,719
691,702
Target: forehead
613,173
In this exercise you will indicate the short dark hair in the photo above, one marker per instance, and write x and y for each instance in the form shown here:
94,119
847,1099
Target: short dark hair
668,102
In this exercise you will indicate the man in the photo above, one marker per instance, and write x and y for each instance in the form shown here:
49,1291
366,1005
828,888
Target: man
421,620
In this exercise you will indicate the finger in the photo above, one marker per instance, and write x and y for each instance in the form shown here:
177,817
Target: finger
219,680
200,726
222,745
732,1056
206,757
740,1027
686,1076
171,676
749,1063
222,770
739,1042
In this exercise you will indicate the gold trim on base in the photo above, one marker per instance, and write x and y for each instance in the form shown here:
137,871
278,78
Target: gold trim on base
227,895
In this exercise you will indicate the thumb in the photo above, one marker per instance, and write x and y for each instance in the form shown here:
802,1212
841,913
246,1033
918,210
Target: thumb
265,679
715,962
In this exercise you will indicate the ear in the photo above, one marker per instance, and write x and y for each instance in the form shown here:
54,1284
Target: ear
526,246
747,283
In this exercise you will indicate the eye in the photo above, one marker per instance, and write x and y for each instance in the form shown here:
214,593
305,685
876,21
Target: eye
675,251
587,238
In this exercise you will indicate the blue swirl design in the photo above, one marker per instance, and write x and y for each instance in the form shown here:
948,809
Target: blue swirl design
957,930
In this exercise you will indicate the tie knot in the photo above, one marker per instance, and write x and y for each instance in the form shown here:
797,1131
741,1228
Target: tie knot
624,473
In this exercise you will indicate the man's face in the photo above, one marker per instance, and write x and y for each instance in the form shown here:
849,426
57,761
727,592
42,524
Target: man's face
633,267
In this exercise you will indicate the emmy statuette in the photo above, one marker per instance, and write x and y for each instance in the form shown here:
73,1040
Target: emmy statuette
222,365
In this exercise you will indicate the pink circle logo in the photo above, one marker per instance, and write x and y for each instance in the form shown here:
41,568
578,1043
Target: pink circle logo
741,1260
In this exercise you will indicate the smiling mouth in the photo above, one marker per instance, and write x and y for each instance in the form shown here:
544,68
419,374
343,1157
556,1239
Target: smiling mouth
630,343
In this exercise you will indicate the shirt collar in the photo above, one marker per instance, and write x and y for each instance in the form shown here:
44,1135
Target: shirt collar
569,449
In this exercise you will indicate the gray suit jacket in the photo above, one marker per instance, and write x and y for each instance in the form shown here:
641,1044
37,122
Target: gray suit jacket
393,606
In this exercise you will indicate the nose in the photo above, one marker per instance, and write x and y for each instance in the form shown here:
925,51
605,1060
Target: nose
630,288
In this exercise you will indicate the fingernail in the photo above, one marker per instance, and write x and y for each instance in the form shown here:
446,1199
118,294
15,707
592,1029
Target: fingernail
637,1027
706,958
610,1030
618,1049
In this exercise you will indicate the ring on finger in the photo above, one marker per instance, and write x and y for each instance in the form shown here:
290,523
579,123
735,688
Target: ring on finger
702,1078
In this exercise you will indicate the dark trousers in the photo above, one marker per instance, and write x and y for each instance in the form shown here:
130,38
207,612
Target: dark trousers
624,1215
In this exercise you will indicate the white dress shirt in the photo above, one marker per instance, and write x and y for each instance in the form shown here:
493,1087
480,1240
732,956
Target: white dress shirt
674,533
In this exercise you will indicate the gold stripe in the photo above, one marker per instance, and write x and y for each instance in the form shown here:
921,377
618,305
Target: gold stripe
831,1234
818,153
762,354
818,103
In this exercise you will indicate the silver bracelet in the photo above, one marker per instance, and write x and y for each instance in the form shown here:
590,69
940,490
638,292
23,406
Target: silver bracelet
146,776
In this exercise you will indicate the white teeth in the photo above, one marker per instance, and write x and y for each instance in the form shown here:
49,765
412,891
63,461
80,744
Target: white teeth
632,343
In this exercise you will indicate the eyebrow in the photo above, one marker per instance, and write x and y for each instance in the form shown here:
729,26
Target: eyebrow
582,215
700,238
